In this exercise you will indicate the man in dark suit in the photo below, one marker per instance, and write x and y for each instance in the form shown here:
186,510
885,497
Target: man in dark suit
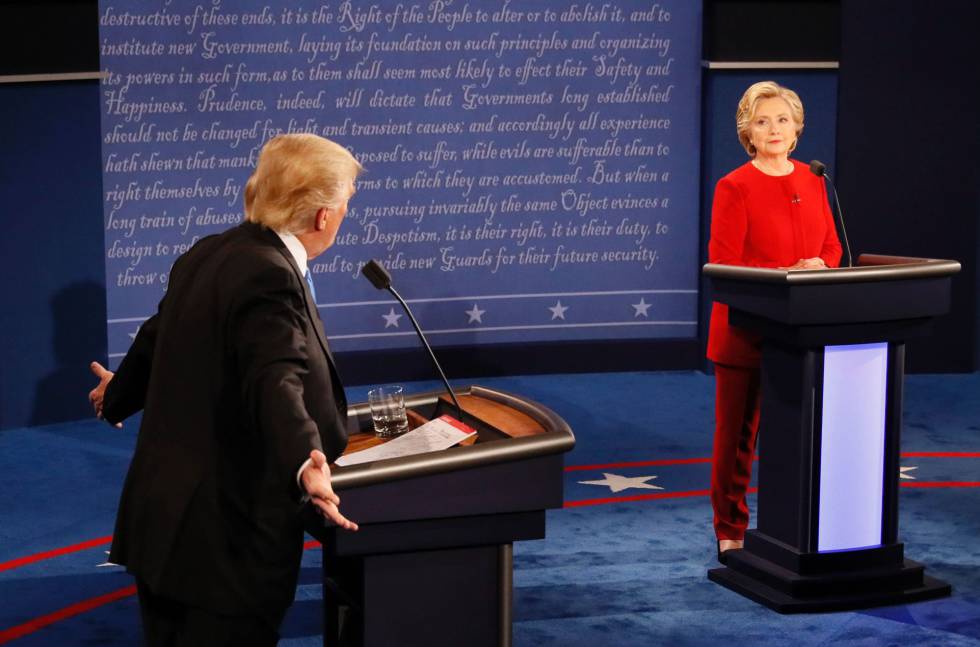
243,409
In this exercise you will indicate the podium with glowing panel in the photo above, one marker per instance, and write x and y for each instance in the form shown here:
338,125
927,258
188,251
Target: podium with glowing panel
833,364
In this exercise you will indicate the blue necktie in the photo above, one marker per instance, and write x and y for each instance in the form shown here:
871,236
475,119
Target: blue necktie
309,282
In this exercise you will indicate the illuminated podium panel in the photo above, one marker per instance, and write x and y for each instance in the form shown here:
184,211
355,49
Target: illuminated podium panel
833,355
432,561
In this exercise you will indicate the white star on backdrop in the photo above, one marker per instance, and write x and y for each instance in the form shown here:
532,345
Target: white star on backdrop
391,319
133,334
618,483
902,473
641,308
475,314
558,311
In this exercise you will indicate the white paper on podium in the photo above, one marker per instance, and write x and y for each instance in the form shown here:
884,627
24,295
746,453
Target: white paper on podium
433,436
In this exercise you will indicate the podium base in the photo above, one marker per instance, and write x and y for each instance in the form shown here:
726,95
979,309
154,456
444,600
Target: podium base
786,591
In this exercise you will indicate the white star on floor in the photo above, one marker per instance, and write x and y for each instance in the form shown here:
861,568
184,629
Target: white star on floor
641,308
391,319
618,483
105,563
902,473
558,311
476,315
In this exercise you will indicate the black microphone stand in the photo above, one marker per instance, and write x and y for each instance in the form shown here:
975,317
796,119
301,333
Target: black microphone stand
819,169
411,317
379,277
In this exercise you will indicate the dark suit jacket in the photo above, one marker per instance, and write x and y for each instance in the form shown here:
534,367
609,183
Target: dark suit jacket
237,386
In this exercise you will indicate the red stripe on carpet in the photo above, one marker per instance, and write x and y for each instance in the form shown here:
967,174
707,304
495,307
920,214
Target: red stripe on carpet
41,622
84,606
101,541
604,466
642,497
80,607
692,493
940,484
692,461
85,545
940,454
48,554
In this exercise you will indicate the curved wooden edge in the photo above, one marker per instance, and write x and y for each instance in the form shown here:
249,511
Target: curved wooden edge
866,260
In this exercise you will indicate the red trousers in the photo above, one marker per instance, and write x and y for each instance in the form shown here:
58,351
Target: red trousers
736,430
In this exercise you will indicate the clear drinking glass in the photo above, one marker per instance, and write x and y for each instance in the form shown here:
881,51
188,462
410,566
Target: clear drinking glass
388,411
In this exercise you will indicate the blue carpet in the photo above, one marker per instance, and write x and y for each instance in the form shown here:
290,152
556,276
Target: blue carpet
626,573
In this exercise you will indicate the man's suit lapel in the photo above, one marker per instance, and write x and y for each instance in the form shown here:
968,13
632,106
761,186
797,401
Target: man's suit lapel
314,315
311,310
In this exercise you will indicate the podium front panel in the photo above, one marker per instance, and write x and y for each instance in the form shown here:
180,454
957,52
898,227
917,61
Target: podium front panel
852,446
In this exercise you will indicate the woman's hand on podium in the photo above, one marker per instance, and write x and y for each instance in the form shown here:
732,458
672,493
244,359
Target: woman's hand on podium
815,263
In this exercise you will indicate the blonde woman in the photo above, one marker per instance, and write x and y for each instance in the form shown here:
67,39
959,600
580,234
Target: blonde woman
769,212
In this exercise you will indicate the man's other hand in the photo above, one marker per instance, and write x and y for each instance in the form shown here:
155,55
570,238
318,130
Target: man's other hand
96,395
316,482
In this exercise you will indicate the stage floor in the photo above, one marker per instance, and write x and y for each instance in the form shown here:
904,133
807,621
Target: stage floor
624,562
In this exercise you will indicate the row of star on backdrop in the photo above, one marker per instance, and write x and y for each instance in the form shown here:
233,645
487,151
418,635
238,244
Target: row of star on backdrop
475,314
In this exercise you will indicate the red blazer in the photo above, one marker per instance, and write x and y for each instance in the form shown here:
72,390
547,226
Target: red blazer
759,220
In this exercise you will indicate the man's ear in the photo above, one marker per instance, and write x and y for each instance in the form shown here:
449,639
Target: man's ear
320,220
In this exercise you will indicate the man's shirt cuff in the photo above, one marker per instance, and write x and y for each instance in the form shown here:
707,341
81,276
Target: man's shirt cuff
304,496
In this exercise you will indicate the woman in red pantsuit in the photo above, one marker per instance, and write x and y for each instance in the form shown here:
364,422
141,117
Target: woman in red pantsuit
769,212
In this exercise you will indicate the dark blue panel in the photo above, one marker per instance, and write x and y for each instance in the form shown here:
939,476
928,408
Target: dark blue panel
51,267
908,152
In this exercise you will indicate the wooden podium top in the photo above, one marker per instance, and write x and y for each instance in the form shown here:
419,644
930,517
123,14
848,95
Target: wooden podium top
506,419
508,426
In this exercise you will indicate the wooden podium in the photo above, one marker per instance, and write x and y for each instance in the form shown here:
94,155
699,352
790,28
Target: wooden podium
432,562
833,356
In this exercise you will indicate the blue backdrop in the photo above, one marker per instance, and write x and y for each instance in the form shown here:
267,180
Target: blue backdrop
532,169
55,319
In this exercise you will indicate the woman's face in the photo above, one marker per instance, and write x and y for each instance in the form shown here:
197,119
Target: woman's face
773,129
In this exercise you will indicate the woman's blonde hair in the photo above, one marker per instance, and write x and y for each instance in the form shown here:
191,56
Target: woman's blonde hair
750,101
297,174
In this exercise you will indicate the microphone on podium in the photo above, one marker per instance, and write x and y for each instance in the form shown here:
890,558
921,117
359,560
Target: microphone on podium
819,169
379,277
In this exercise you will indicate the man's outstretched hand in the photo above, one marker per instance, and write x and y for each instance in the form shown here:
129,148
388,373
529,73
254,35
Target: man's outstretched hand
316,482
96,395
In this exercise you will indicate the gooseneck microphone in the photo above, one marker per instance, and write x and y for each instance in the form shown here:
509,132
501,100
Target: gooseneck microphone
379,277
819,169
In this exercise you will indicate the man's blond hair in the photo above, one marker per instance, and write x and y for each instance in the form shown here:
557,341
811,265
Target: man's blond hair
298,174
